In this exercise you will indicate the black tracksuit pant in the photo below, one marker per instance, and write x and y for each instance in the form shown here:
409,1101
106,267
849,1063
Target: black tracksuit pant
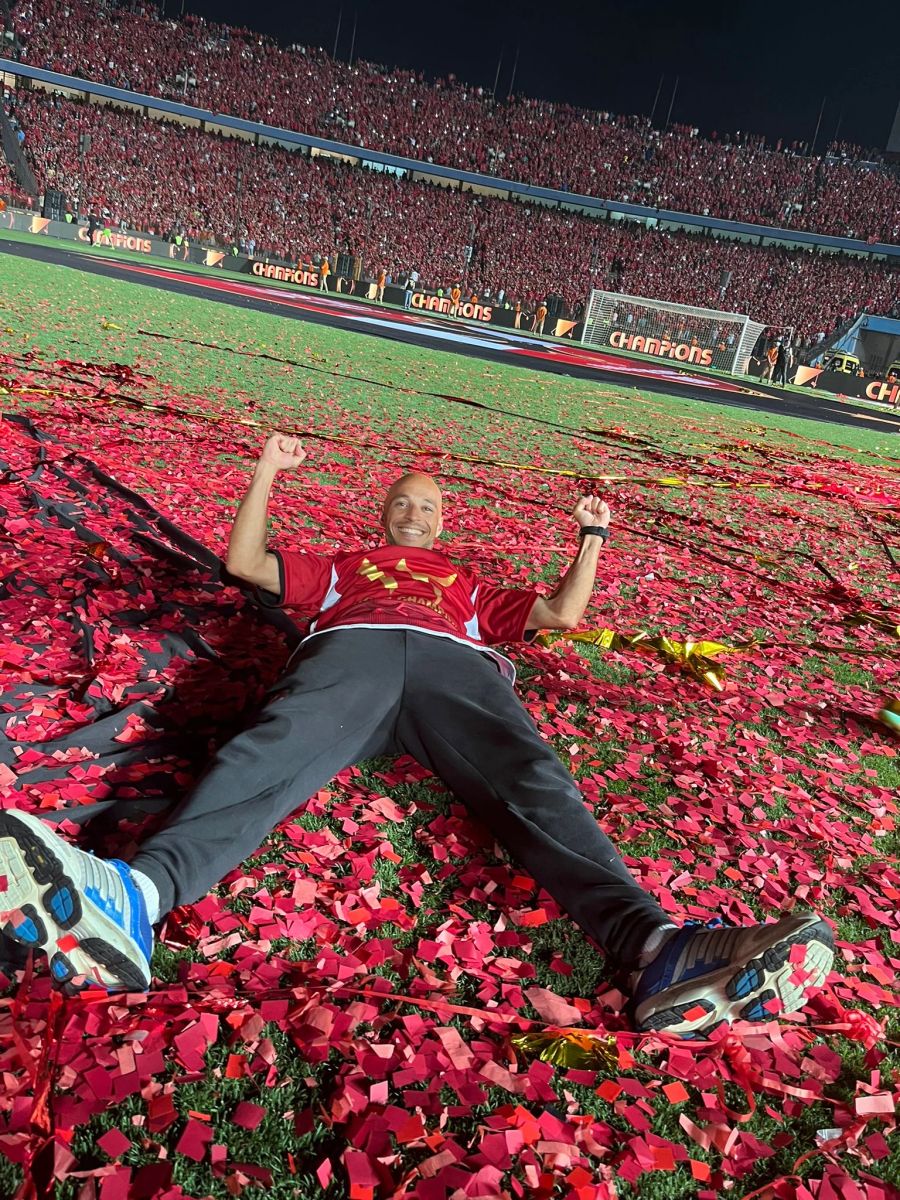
356,693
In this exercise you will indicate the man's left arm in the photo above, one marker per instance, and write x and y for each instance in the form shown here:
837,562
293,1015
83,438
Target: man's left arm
564,608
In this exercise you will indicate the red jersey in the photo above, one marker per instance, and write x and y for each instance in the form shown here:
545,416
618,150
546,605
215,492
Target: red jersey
395,587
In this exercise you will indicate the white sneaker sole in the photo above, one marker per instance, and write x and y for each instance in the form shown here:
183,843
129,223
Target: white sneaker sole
743,990
42,908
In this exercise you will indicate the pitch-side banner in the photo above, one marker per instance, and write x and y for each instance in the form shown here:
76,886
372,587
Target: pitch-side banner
483,312
140,244
662,347
848,385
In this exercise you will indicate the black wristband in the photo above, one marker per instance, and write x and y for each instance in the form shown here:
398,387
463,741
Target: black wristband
599,531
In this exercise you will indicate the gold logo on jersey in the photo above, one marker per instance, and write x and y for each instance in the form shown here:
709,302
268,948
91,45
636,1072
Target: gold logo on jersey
438,582
369,571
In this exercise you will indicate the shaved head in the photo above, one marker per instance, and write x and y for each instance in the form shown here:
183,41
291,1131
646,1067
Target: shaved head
418,480
412,511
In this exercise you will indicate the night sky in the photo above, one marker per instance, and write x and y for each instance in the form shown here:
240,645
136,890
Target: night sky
756,67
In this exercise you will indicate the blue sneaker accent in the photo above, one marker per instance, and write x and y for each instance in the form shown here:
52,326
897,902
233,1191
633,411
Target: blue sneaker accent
744,983
664,968
62,905
703,977
137,925
59,969
756,1011
27,931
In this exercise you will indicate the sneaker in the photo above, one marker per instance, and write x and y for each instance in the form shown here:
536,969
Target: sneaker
702,978
86,913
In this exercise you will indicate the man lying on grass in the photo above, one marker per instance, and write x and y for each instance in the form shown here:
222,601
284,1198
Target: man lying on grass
398,661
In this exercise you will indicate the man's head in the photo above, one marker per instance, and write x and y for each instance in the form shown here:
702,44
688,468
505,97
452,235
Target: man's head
412,512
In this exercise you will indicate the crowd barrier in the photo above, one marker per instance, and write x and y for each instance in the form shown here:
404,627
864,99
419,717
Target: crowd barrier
485,312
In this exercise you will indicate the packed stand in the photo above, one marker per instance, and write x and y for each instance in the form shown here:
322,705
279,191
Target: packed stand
162,177
241,73
9,184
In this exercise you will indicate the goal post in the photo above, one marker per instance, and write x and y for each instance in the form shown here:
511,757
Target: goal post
680,333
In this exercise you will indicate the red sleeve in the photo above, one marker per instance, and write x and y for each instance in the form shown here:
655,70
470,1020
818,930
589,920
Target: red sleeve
304,579
502,612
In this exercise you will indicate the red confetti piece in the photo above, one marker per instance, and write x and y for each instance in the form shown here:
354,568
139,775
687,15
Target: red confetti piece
675,1093
881,1103
697,1013
248,1116
114,1143
194,1140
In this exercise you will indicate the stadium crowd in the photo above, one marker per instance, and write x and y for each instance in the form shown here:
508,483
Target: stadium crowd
238,72
164,178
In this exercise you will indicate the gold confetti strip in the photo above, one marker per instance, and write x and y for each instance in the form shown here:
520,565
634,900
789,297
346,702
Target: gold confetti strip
696,657
568,1048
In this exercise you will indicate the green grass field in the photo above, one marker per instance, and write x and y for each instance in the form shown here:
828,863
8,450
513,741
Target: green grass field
781,788
884,419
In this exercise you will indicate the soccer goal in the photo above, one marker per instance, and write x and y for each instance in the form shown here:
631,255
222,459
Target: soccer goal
701,337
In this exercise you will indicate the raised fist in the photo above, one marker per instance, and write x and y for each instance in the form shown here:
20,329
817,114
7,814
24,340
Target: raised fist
283,452
591,510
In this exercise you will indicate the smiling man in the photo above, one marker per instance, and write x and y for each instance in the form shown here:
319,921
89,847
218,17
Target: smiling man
400,658
412,511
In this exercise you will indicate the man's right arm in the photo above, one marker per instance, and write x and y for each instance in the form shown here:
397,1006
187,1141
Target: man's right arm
247,555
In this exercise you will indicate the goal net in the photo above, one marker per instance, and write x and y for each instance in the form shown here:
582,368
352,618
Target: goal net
702,337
